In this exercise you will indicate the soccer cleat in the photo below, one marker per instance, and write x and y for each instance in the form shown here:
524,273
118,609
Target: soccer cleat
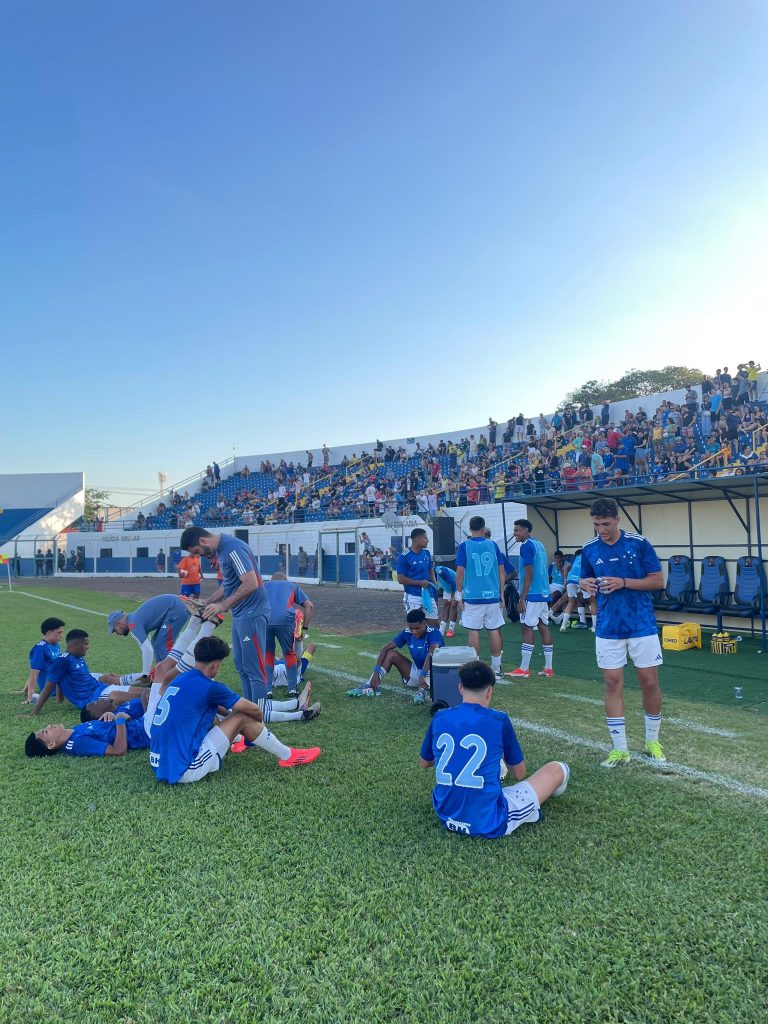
293,693
519,673
421,697
449,634
549,673
196,609
564,628
303,699
654,752
312,711
300,756
615,758
579,625
239,746
363,691
269,695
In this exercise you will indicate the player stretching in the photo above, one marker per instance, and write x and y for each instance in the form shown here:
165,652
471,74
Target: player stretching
422,641
533,605
446,580
186,745
479,589
155,625
468,741
622,569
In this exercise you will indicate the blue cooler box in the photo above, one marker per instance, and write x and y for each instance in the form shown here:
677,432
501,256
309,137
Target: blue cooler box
444,673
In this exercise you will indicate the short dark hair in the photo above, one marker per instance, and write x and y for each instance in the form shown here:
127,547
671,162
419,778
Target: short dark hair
525,523
211,648
604,507
476,675
558,551
418,532
49,624
76,634
416,615
191,536
476,523
34,747
85,714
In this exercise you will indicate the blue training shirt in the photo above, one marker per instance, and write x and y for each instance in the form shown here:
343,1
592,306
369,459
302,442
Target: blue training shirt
624,613
481,559
185,713
532,553
555,574
235,560
418,647
163,613
415,566
575,573
75,679
283,596
41,657
467,743
91,739
446,578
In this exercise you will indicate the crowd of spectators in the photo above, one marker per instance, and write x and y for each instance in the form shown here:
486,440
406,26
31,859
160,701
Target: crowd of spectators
718,429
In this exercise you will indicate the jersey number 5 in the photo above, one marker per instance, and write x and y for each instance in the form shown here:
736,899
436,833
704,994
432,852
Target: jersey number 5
163,707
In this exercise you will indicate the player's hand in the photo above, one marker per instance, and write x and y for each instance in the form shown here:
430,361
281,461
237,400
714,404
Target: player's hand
521,606
211,611
589,584
609,584
108,716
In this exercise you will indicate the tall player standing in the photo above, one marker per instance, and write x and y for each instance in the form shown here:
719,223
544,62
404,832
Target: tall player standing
622,569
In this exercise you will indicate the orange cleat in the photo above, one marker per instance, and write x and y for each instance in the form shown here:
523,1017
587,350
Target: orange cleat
300,756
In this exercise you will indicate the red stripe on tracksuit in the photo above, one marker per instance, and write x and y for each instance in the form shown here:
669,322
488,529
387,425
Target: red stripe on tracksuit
260,656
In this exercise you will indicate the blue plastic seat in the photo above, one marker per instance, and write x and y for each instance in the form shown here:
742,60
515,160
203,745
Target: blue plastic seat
680,586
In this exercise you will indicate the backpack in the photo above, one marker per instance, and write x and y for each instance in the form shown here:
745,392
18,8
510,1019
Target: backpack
511,598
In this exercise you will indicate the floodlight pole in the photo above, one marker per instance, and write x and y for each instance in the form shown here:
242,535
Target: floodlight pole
761,572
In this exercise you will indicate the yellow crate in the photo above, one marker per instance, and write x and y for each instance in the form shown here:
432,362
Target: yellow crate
682,637
723,643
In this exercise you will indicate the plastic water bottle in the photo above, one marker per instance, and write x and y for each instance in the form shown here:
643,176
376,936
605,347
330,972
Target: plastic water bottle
738,692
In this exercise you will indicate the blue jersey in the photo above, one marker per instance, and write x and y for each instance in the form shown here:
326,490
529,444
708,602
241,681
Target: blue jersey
414,566
532,553
446,578
91,739
41,657
75,679
574,573
185,713
481,559
235,560
133,708
165,614
467,742
283,598
555,574
624,613
418,647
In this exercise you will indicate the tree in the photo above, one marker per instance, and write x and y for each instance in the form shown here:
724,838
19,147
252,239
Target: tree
634,384
94,502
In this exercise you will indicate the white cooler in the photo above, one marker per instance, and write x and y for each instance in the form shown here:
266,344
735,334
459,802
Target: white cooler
444,673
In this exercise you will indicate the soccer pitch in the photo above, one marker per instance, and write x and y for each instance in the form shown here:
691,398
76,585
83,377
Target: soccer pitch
331,894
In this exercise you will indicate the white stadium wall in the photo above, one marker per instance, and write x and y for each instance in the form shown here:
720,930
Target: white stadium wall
59,498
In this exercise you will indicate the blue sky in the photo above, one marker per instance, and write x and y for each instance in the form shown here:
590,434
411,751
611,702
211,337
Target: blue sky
274,225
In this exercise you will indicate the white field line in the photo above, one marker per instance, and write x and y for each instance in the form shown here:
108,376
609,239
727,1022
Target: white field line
367,654
336,647
62,604
684,723
723,781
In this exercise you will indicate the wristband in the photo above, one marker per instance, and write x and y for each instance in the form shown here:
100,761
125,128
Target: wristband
424,673
625,582
121,720
458,595
379,670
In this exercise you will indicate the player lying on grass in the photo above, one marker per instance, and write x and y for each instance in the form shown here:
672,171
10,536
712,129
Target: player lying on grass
41,657
78,684
422,641
280,674
198,718
468,741
134,708
112,735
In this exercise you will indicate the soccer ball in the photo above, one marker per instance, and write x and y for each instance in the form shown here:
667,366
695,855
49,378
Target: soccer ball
503,769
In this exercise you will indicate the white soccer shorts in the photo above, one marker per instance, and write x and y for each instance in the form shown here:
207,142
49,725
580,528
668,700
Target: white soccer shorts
573,591
208,759
556,588
535,612
482,616
423,600
645,652
111,689
523,806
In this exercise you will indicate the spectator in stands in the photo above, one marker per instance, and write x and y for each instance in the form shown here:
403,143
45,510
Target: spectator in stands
216,472
753,369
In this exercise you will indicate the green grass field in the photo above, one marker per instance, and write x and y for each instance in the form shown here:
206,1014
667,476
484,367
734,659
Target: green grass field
330,893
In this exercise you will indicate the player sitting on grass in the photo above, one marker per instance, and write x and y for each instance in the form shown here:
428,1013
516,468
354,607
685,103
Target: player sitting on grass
446,581
186,745
41,657
422,641
468,741
280,676
71,673
110,736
